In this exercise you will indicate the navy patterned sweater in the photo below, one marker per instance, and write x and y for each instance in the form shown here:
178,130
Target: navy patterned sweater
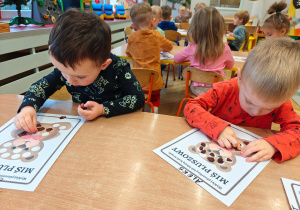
116,88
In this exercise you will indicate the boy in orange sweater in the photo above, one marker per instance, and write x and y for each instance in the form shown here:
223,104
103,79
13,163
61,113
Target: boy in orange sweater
144,46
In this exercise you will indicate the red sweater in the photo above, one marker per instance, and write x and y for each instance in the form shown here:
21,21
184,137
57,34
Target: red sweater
223,100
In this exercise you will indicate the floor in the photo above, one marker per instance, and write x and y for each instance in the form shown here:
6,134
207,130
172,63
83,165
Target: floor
170,96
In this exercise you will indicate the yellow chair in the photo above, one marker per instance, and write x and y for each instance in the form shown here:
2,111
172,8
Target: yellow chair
252,41
252,30
146,77
196,75
245,44
184,25
127,32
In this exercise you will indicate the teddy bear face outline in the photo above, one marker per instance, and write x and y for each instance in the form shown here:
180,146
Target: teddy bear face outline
26,146
213,153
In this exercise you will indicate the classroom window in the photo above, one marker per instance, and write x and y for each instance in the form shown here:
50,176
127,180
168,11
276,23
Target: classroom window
13,7
226,3
9,11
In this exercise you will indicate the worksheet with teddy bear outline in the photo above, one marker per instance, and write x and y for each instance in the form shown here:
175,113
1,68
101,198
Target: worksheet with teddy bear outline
25,158
222,172
292,190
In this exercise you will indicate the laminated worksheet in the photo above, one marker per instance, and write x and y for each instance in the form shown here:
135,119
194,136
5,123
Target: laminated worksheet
182,31
239,59
222,172
166,56
25,158
292,190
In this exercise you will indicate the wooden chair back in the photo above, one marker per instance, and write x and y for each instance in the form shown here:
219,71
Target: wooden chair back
143,75
184,25
173,36
146,77
196,75
251,29
127,32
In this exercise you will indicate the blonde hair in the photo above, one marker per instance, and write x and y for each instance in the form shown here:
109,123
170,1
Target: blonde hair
199,6
277,20
181,8
272,69
243,14
206,31
141,14
156,10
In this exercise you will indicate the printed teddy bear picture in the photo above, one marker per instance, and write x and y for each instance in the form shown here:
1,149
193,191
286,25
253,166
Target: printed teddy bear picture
26,146
213,153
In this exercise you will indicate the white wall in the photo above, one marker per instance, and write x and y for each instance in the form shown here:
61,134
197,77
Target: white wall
260,8
246,5
255,8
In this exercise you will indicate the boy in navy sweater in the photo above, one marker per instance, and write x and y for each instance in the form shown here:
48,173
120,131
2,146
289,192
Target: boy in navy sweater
166,23
100,82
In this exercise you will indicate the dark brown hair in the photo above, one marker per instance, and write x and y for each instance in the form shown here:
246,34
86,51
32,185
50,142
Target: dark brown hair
166,12
277,20
78,35
141,14
206,31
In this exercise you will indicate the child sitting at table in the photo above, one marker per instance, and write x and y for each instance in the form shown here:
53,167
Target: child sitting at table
181,18
102,83
144,46
207,50
157,14
241,17
278,24
258,96
166,23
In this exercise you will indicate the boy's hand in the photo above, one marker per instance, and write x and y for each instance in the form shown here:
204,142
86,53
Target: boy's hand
263,151
228,139
26,119
230,34
90,110
188,10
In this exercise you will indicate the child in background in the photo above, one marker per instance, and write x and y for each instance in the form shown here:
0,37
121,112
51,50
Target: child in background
144,46
207,50
102,83
241,17
199,6
278,24
157,14
258,96
181,18
166,23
